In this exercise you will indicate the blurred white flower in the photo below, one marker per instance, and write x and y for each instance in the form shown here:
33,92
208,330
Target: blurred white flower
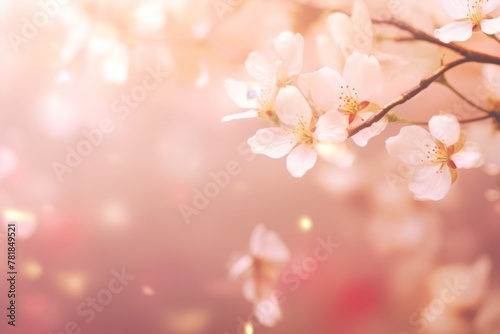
462,287
435,156
259,269
487,319
469,16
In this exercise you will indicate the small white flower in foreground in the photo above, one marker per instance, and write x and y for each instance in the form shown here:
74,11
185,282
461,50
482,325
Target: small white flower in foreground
283,64
435,156
361,79
299,132
469,16
260,269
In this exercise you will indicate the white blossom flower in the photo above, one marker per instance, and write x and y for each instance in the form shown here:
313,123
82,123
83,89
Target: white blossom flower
469,16
298,133
282,65
259,269
435,156
361,79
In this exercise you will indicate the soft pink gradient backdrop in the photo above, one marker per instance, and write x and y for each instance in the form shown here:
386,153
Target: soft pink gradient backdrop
120,207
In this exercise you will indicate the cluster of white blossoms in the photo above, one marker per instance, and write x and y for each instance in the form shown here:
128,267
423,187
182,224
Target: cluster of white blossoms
340,101
307,109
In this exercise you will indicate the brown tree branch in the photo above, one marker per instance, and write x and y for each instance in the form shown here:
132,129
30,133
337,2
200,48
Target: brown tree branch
469,56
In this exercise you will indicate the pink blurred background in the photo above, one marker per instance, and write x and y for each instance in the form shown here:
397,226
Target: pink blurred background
120,207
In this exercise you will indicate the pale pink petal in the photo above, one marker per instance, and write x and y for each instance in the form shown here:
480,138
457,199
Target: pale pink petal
342,32
487,319
445,128
491,75
329,53
267,245
290,49
409,145
456,9
454,31
468,157
260,65
362,137
363,33
268,311
323,87
331,128
490,26
292,107
244,94
240,266
273,142
300,160
249,289
490,5
431,182
466,285
241,115
364,74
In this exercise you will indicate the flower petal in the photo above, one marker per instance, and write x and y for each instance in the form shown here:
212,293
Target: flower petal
409,145
491,75
454,31
363,33
261,65
257,287
240,266
342,31
363,73
323,87
245,94
290,49
241,115
362,137
267,245
300,160
468,157
490,26
331,128
431,182
292,107
456,9
490,6
268,311
445,128
273,142
329,53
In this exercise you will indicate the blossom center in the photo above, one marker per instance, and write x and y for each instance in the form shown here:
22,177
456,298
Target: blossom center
440,154
304,133
475,11
349,101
